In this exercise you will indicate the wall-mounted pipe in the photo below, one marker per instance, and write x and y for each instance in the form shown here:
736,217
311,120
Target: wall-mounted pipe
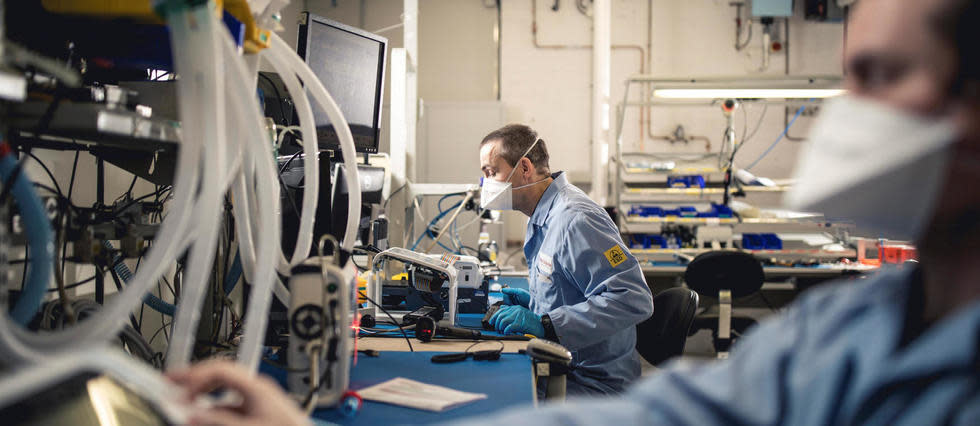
644,53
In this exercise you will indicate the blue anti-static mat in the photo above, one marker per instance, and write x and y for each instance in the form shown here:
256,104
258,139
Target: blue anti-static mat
471,321
507,383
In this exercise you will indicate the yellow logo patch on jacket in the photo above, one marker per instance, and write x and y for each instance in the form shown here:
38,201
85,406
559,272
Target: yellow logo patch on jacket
615,256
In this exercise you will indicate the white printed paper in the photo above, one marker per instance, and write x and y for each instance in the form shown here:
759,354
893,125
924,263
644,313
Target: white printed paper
422,396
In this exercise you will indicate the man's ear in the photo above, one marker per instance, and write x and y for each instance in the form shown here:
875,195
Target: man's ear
526,162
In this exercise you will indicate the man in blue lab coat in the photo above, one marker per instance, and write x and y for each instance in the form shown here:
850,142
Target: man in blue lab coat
586,290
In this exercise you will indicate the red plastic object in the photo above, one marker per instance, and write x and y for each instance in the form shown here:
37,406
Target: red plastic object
898,253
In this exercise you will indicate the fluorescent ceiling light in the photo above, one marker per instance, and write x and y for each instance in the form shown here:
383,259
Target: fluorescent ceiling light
707,93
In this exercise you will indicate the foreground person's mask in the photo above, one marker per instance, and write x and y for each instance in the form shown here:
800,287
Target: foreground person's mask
879,167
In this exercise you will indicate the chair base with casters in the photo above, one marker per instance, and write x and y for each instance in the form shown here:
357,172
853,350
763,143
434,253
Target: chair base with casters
664,334
709,320
727,275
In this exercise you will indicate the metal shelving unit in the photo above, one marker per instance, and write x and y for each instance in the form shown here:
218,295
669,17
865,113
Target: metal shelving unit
642,178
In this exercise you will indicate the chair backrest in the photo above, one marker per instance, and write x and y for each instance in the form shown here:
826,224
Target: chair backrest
724,270
663,335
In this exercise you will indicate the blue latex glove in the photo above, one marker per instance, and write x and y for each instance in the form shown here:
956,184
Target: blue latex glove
511,319
516,296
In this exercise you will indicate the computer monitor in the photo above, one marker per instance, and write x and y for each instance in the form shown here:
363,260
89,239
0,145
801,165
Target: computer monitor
351,65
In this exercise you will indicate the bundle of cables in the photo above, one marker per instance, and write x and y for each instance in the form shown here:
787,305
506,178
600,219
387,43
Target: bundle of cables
432,227
221,128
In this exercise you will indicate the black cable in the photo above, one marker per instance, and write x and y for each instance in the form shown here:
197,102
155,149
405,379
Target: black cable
390,196
45,120
71,187
140,198
46,170
323,378
119,288
138,345
464,247
289,161
483,337
162,327
289,197
169,287
73,285
140,328
366,249
484,341
132,184
404,334
60,197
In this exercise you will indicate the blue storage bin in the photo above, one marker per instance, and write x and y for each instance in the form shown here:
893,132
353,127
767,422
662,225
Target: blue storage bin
722,210
647,241
771,242
753,242
677,182
685,181
646,211
636,241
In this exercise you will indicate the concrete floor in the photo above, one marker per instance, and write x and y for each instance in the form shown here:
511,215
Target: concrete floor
699,346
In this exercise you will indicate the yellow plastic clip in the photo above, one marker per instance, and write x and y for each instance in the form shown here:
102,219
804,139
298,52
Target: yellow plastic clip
256,38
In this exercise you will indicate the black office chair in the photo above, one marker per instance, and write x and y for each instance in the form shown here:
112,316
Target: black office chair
663,335
726,275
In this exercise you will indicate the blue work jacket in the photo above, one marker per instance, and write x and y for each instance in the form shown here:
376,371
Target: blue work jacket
838,356
581,274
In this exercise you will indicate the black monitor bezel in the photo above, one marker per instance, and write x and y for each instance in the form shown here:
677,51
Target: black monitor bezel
303,46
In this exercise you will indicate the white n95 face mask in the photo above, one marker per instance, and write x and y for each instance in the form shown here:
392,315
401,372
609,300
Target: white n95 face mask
497,195
880,167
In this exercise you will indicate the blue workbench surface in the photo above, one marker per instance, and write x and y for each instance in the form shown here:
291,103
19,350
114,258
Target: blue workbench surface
507,382
471,321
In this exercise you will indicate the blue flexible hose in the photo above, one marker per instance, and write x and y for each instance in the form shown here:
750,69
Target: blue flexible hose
160,305
434,221
40,238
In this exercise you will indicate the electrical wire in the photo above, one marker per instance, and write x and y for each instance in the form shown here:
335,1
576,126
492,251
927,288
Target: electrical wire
402,329
433,223
781,135
71,187
758,124
46,170
385,330
156,193
501,342
73,285
384,206
162,327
